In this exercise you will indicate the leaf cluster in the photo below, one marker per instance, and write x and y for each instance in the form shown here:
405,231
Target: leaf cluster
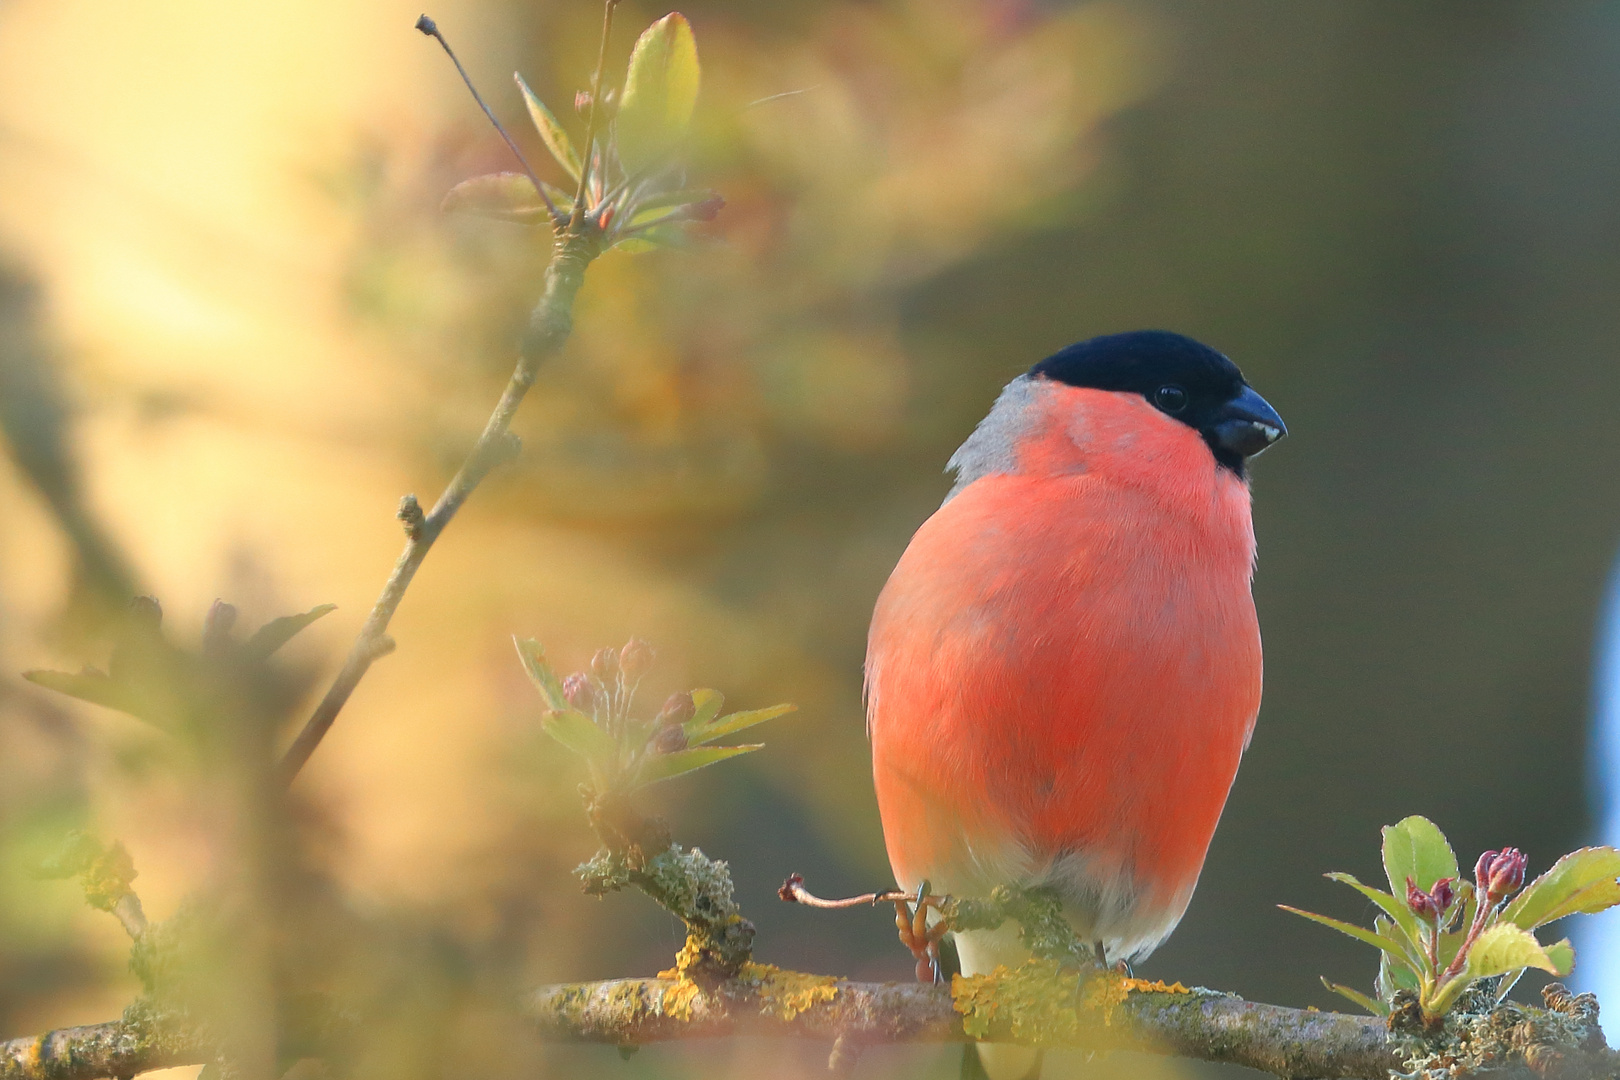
628,183
1438,952
622,752
187,692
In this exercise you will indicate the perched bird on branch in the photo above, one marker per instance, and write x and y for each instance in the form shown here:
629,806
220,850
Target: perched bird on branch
1064,668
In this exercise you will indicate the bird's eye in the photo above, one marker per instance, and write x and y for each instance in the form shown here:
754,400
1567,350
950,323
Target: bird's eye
1172,399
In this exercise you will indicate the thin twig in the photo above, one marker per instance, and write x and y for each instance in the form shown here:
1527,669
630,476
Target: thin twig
794,892
427,26
588,160
549,327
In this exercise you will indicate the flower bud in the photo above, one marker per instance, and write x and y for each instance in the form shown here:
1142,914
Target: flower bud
580,692
669,739
1421,903
1500,874
217,626
706,210
636,658
678,709
1444,894
582,102
605,664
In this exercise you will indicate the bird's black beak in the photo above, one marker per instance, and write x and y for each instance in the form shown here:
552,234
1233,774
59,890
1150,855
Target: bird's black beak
1246,425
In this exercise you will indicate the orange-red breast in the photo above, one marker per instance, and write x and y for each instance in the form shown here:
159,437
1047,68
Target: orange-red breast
1064,668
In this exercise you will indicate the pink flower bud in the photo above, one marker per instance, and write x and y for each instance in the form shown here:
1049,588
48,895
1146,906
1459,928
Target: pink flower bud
707,210
669,739
1421,903
1500,874
582,102
580,692
605,664
636,658
677,710
1443,894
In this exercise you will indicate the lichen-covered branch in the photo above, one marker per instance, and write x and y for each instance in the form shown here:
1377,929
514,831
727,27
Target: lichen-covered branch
122,1048
1199,1024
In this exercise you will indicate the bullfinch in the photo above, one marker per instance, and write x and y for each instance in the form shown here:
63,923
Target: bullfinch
1064,668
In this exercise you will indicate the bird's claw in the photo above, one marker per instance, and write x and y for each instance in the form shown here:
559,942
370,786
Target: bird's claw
911,921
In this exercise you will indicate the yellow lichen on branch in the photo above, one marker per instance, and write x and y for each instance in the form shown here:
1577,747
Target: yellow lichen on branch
782,994
1044,1003
786,994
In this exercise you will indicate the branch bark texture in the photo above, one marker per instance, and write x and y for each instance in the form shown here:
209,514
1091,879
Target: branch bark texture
97,1050
1202,1024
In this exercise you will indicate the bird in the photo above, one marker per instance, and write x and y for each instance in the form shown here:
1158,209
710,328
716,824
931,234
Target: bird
1064,668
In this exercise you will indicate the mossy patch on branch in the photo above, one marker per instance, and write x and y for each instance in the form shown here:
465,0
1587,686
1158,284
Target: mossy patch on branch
1043,1003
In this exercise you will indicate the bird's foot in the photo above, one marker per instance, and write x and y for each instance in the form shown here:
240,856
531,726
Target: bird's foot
1121,968
911,921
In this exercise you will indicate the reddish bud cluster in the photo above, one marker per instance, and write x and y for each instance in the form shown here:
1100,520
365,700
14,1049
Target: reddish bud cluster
1500,874
605,664
1431,906
580,692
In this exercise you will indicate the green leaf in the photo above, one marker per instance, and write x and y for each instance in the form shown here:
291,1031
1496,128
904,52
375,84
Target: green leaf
540,673
1372,1005
1360,933
660,91
580,734
277,632
505,196
1505,947
1404,929
1415,848
1562,955
664,766
90,685
1393,972
735,722
1582,881
551,132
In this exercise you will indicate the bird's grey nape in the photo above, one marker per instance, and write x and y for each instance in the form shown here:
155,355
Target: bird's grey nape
992,448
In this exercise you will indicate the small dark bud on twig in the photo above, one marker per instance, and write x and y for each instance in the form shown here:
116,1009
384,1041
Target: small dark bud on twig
381,646
411,516
427,26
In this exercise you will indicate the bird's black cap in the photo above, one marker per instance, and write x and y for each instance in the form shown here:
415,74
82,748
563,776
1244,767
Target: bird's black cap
1180,377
